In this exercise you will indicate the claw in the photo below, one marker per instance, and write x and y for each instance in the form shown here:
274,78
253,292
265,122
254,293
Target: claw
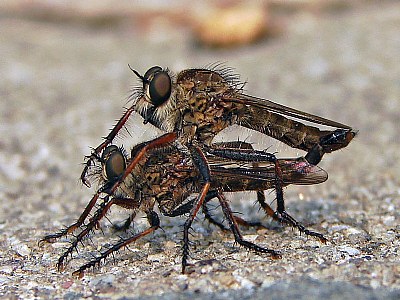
78,274
276,255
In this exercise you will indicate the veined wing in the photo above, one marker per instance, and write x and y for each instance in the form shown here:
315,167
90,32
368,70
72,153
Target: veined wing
294,171
281,109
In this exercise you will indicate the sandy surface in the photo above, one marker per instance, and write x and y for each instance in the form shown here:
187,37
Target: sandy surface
63,85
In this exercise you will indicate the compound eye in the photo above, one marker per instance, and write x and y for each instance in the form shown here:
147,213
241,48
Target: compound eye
108,150
150,72
114,165
159,85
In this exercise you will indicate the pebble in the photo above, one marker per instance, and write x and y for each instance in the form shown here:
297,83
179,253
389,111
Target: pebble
349,250
98,281
159,257
20,248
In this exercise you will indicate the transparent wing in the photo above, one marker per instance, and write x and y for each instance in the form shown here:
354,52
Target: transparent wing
281,109
294,171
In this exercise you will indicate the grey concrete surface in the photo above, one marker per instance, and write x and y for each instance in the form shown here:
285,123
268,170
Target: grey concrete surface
63,85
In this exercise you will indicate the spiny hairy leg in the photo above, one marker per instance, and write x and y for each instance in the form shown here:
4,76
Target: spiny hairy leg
210,218
94,223
202,166
154,223
51,238
281,215
188,224
235,230
107,140
284,217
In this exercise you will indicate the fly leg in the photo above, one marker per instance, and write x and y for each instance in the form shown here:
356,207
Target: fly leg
267,209
238,154
51,238
201,163
107,140
235,229
281,213
186,208
182,209
259,156
210,218
245,152
112,187
94,224
239,220
154,221
243,222
207,215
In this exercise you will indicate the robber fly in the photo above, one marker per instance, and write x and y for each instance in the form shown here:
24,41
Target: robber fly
167,177
197,104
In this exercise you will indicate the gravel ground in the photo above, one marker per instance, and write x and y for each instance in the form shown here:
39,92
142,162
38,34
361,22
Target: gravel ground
62,85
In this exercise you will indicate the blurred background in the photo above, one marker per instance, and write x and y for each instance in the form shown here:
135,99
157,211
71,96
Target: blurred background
64,79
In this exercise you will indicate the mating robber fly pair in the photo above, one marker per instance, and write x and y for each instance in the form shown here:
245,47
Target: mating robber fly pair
182,170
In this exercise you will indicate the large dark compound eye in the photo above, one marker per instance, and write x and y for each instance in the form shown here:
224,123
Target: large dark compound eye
108,150
158,84
114,162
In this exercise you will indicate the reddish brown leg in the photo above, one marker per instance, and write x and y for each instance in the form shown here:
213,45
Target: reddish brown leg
267,209
201,163
243,222
188,224
154,223
94,223
51,238
107,140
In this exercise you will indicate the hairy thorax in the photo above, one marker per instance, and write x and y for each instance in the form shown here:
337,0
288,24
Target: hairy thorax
199,108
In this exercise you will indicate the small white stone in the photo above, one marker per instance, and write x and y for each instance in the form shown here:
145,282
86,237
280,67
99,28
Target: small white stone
182,277
102,280
349,250
375,284
338,228
156,257
352,230
46,256
21,249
